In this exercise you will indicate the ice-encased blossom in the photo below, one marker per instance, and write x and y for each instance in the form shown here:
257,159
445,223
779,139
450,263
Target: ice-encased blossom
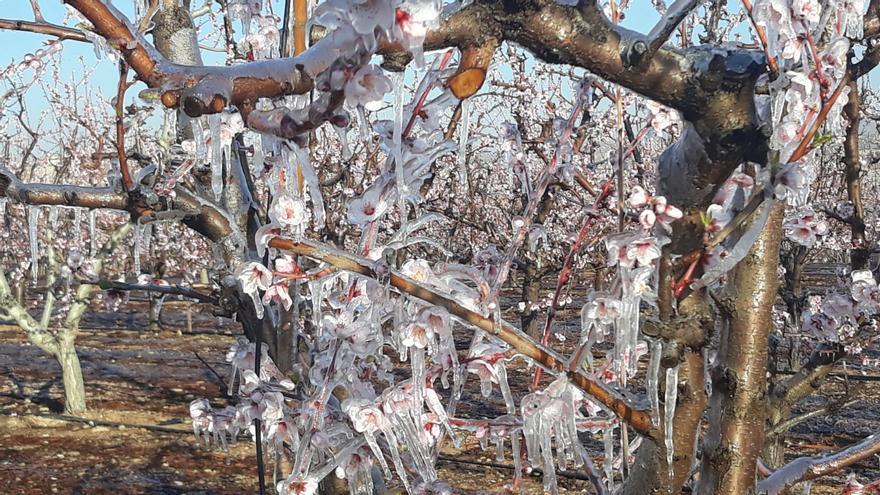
627,250
804,227
790,183
603,309
289,211
253,276
367,88
278,293
412,20
638,197
297,486
367,208
365,415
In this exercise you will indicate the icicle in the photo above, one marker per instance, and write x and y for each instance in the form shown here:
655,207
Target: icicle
463,131
501,375
669,414
258,305
391,440
216,156
377,452
199,140
93,231
608,462
53,217
418,373
33,218
547,454
342,133
397,150
316,289
259,157
77,223
517,460
310,176
652,382
137,248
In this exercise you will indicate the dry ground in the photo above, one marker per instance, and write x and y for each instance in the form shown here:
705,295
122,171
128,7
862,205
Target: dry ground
134,377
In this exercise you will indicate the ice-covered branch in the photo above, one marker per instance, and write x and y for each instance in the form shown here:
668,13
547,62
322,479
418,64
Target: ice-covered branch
61,32
809,468
199,214
63,195
641,52
176,290
639,420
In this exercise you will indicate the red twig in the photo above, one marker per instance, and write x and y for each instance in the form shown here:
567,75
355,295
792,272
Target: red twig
607,189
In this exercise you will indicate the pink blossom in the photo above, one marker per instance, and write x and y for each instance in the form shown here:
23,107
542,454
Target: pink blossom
367,88
790,182
289,211
278,293
365,416
805,227
603,309
638,197
367,208
253,276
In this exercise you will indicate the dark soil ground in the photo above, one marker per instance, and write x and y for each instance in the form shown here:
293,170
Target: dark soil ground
137,439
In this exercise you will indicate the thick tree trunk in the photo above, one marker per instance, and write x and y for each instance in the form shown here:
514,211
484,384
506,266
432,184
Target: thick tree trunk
71,374
739,380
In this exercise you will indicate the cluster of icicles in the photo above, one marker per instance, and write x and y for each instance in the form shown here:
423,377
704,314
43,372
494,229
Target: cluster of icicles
355,320
140,240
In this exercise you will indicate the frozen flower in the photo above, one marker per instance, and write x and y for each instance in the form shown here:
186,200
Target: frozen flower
286,264
418,335
367,208
278,293
790,182
638,197
719,217
289,211
253,277
805,227
662,117
367,88
412,19
365,416
807,10
603,309
665,213
644,250
265,234
298,486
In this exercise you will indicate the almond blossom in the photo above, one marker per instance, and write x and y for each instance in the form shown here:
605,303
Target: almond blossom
367,88
253,277
805,227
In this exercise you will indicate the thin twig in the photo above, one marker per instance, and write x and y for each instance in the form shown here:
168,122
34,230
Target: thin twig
61,32
164,289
